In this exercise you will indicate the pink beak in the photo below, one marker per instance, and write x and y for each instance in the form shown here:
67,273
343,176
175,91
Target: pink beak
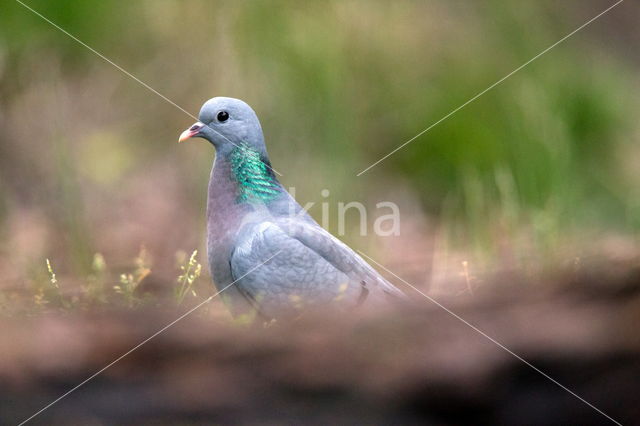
190,132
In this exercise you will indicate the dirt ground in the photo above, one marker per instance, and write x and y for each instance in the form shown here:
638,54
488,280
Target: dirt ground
415,365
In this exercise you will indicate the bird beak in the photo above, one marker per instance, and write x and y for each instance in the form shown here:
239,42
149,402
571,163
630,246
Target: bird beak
191,132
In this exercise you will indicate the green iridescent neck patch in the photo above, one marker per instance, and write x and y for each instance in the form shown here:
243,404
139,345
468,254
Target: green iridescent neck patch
256,182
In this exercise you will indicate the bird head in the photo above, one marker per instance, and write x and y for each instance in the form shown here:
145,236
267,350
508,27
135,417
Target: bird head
226,122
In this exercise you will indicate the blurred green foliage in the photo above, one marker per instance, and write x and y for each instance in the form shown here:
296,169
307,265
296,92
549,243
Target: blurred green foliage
337,86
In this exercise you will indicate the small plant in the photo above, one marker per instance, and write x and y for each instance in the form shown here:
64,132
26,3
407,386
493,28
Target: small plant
52,275
191,270
45,295
130,282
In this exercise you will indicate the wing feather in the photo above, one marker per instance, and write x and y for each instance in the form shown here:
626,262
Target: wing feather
309,267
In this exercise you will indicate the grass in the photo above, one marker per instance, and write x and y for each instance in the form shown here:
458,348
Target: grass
129,282
543,160
191,271
104,288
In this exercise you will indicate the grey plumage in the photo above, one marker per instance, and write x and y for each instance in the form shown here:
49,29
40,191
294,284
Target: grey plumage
251,218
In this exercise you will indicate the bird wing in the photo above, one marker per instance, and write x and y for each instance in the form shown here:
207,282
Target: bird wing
301,265
339,255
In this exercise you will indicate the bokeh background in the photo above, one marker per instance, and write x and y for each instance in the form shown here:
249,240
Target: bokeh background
520,213
543,167
544,162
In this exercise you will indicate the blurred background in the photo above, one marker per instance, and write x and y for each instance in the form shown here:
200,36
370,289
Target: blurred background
521,211
542,167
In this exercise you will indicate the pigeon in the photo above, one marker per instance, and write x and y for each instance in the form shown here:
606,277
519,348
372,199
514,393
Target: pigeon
266,254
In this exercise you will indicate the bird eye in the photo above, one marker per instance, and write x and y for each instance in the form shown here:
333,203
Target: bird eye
223,116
